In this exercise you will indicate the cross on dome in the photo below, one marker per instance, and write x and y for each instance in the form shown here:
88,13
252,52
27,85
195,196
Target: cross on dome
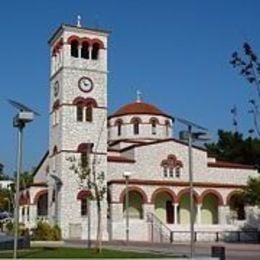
138,96
78,21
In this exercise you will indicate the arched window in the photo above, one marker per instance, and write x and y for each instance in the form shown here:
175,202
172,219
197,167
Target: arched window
85,50
154,123
80,112
119,123
84,196
74,48
89,113
95,51
167,127
84,207
177,171
136,126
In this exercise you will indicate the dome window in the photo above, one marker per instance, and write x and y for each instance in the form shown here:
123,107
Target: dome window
154,122
135,122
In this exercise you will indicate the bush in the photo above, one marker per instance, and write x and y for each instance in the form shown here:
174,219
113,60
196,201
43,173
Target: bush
22,231
45,232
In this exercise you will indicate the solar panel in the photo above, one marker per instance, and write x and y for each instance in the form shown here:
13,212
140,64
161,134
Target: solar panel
22,107
189,123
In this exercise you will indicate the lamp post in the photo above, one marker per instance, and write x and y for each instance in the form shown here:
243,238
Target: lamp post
190,137
127,175
24,116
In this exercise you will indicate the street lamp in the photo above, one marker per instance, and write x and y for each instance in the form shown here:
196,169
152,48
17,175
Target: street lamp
190,137
25,115
127,175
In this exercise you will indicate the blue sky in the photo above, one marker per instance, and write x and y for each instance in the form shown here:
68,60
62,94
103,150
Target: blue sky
175,52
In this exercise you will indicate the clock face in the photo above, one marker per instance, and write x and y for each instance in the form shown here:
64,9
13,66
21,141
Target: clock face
85,84
56,88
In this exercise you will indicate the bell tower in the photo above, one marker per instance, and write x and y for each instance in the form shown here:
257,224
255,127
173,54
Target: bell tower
78,120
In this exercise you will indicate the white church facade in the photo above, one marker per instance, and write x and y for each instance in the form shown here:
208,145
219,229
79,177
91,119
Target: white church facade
136,139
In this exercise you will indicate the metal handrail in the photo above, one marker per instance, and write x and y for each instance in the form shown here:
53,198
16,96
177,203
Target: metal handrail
164,231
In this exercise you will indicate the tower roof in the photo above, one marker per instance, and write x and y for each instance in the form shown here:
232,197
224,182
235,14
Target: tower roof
137,108
76,28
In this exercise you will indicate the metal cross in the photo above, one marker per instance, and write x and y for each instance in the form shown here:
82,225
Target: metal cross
78,21
138,96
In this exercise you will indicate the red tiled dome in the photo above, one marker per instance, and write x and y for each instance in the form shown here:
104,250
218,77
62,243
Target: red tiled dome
138,108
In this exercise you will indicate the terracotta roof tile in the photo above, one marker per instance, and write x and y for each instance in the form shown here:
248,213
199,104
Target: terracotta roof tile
139,108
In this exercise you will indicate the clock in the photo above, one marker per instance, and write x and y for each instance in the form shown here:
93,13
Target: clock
85,84
56,88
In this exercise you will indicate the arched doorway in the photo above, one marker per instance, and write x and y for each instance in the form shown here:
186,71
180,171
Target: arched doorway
42,205
184,209
209,209
164,209
237,206
135,207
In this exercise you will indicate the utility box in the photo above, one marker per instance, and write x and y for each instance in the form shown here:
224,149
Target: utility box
218,251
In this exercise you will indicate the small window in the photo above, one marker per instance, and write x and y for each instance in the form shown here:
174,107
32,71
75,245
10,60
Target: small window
74,49
79,112
153,127
136,127
165,174
171,172
85,50
177,172
119,128
95,51
23,211
84,207
167,128
89,113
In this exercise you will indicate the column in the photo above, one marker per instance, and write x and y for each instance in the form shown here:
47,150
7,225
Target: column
199,214
175,209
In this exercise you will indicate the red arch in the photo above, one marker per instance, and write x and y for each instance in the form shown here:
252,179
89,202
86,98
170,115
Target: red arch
85,39
22,199
133,188
215,193
154,119
165,190
90,102
185,191
72,38
85,147
99,42
56,104
78,100
134,119
118,121
83,194
232,193
39,194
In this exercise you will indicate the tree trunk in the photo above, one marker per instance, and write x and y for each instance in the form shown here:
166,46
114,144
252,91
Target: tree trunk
99,230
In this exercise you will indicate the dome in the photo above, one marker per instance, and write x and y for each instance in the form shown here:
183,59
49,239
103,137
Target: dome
136,108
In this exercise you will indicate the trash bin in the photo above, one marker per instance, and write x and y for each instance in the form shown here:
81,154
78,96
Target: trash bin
218,251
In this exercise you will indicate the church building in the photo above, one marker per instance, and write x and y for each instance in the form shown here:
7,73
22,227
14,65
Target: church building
134,151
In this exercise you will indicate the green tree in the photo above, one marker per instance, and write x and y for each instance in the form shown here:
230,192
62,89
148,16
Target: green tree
252,191
232,146
93,181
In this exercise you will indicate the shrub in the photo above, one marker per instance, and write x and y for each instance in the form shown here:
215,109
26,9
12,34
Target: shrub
45,232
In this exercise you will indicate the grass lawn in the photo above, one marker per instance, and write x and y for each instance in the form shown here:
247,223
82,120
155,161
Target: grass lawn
64,252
